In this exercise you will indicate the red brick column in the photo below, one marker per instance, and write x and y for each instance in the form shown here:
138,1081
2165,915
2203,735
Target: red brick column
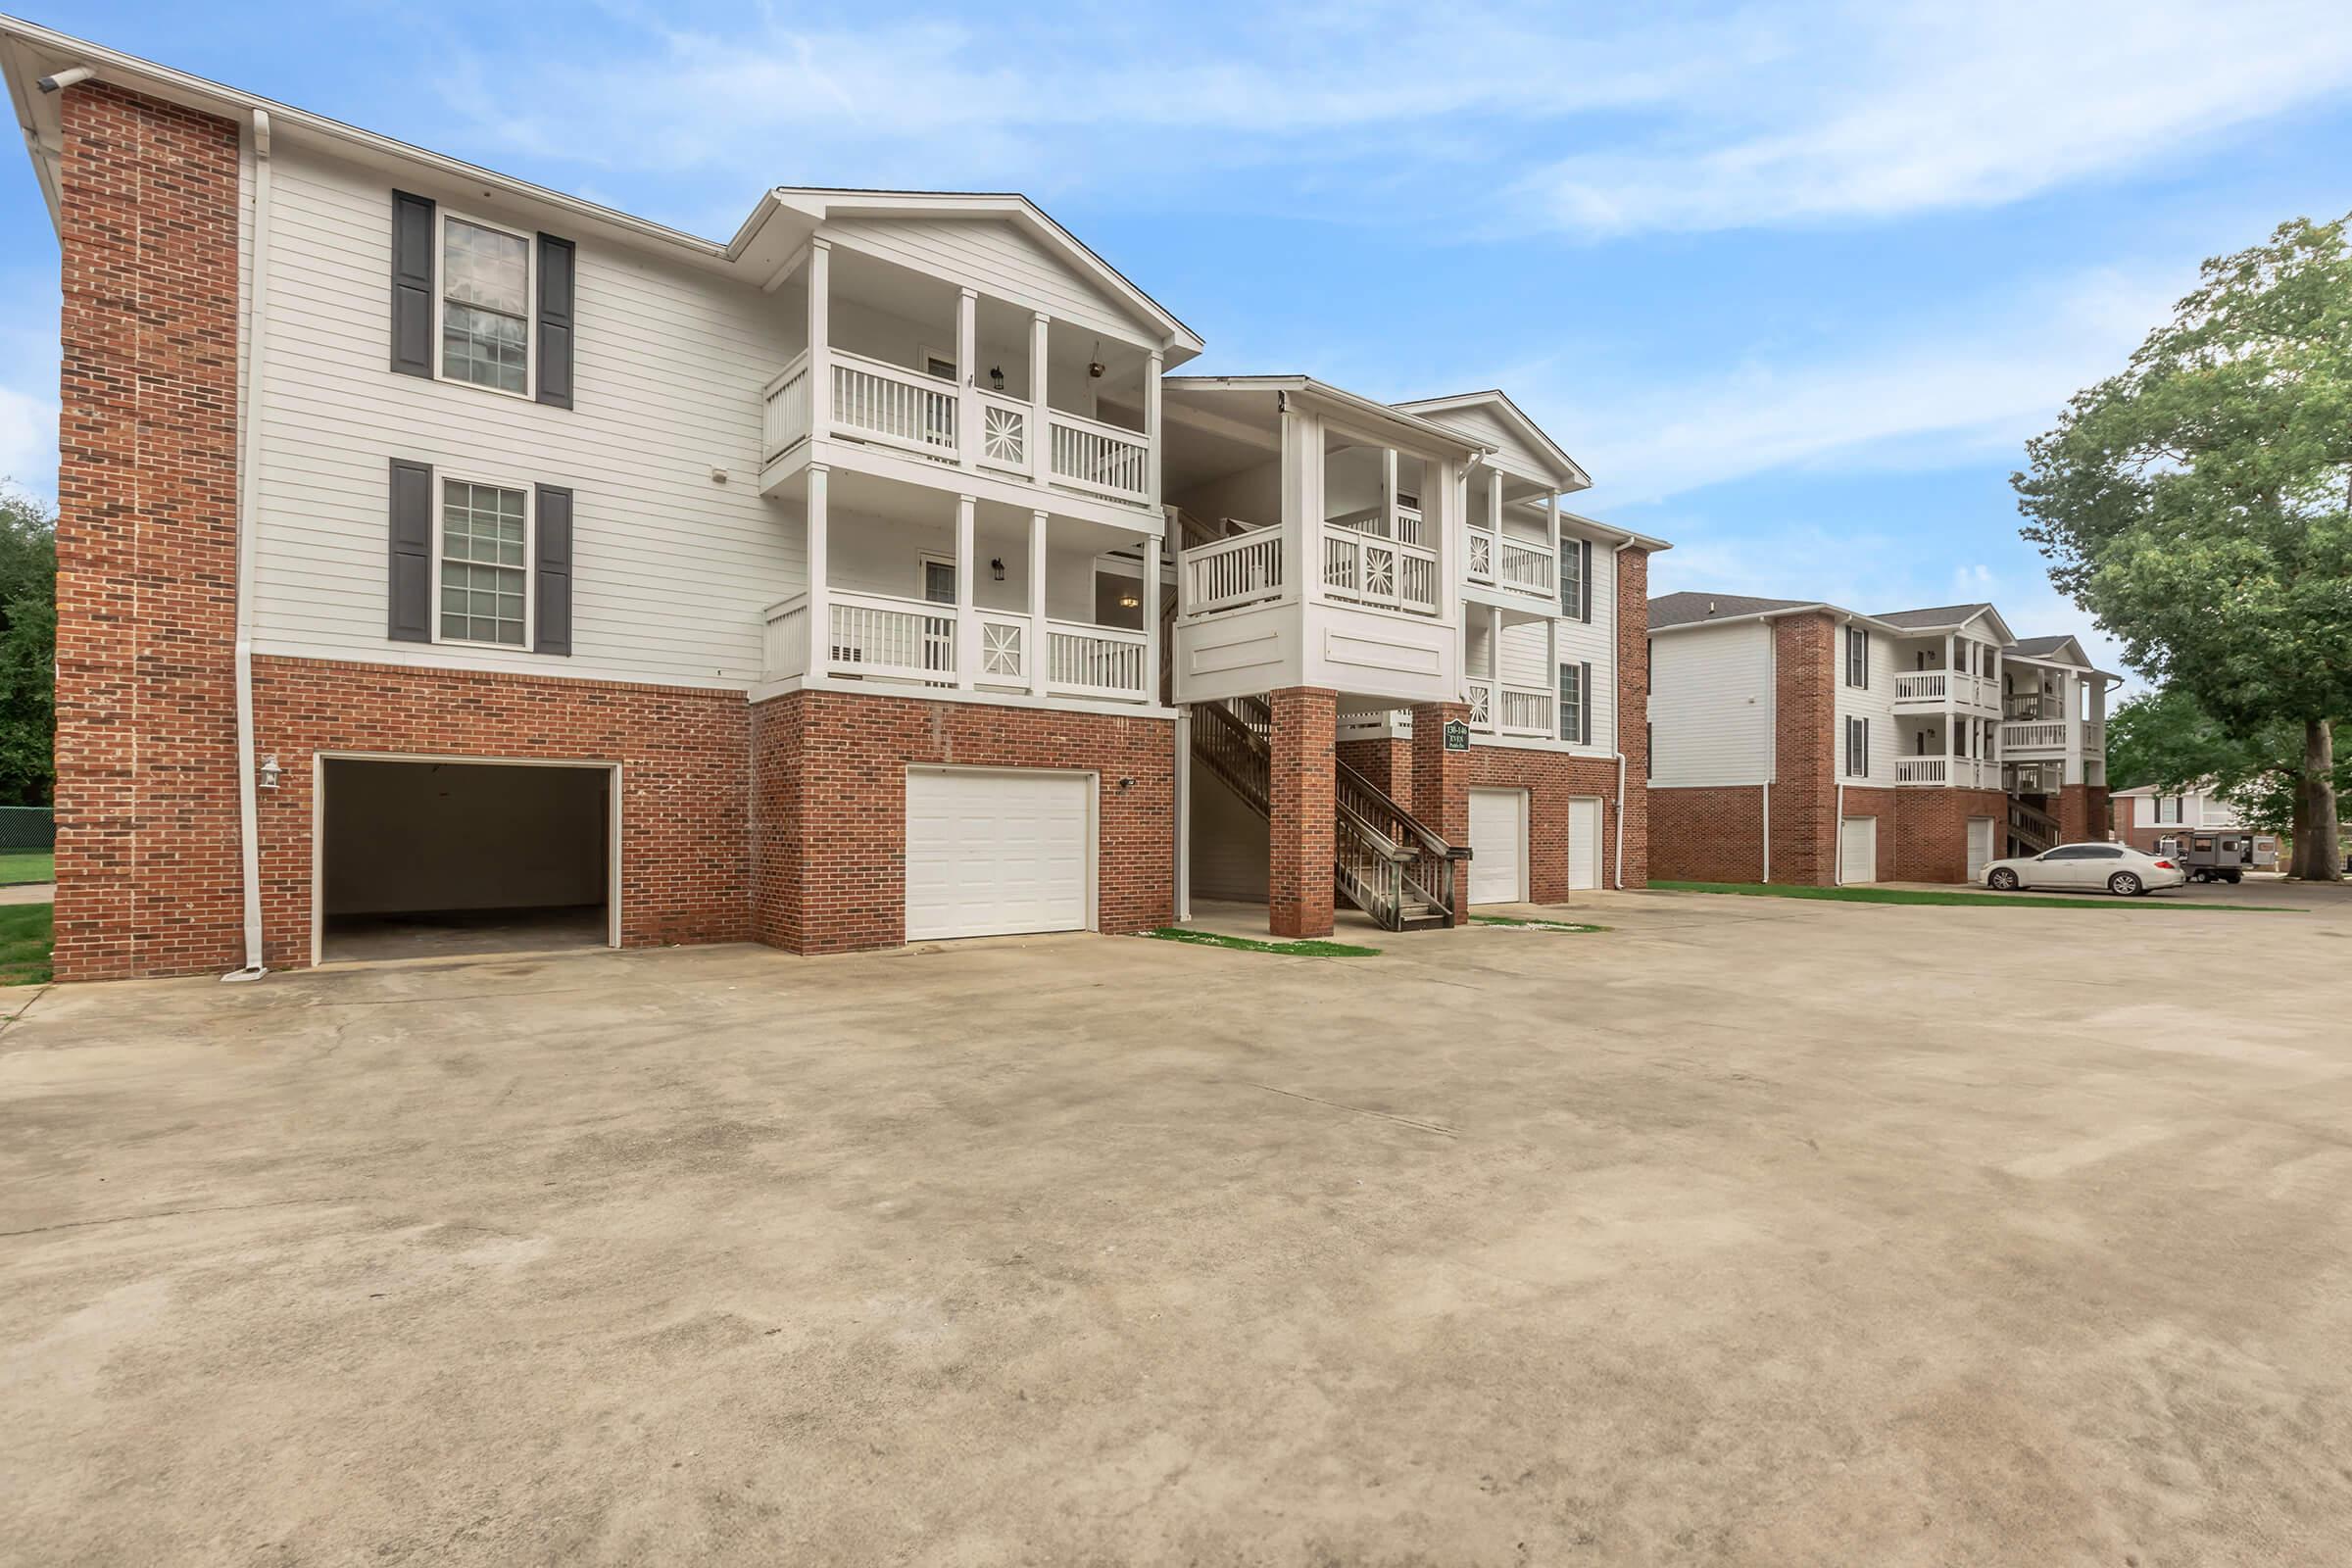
1441,789
1633,715
1804,791
146,539
2081,818
1298,835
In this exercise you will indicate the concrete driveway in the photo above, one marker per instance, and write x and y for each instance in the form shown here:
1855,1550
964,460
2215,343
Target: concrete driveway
1749,1232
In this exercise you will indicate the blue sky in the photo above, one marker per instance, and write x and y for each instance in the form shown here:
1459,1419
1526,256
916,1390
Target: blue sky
1794,282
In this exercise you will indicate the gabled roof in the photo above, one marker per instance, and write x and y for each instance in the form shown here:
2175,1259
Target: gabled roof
1364,407
2048,647
1946,618
1514,417
820,203
1671,611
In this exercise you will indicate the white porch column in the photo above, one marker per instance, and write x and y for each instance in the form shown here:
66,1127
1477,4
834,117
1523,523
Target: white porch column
1494,509
1494,659
1952,711
820,613
1552,650
967,624
1041,436
821,341
1551,518
1037,601
967,377
1151,439
1150,597
1387,492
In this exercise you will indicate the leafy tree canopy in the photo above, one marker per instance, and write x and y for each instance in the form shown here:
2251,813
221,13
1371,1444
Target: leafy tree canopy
27,648
2166,740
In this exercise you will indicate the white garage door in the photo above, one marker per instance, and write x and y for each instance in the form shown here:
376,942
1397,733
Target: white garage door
990,853
1497,846
1860,843
1584,843
1980,846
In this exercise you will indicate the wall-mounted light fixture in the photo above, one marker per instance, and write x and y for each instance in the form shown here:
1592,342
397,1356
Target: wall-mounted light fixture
269,772
996,567
995,377
1094,367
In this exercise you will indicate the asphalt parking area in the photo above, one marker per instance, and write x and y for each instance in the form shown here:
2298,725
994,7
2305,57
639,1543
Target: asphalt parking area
1749,1231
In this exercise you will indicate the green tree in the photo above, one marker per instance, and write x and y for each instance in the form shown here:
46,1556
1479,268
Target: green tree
2166,740
2199,504
28,649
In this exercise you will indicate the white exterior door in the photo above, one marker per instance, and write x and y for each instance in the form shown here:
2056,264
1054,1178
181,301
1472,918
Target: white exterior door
1980,846
1584,843
1497,846
1858,844
990,853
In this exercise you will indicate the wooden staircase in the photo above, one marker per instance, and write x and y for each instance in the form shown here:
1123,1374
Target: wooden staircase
1384,861
2032,830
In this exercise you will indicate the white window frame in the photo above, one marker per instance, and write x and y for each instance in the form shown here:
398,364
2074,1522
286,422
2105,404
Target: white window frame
442,479
922,365
924,560
530,301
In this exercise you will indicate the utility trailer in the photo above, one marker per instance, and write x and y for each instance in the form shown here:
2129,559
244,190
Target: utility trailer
2220,855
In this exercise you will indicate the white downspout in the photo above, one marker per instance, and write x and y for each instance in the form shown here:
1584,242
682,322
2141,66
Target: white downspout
249,832
1768,832
1616,709
1772,728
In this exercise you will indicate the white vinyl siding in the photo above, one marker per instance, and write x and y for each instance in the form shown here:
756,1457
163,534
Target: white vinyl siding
670,570
1875,703
992,256
1711,705
1482,424
1524,663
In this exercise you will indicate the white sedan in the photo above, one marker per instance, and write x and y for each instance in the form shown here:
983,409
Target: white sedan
2116,869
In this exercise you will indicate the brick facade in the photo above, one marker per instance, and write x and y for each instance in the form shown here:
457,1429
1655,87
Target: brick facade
1441,787
1713,833
147,841
2081,812
684,790
1552,780
1931,842
1804,791
828,789
1299,831
1388,762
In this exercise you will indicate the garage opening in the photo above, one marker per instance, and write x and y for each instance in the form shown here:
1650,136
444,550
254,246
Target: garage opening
422,858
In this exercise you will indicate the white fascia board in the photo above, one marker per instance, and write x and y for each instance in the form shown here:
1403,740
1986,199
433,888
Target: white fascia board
1570,472
1842,616
1351,406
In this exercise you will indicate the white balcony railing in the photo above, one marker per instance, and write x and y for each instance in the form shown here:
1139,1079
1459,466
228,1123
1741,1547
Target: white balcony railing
884,638
893,639
784,642
1003,433
1918,771
1095,660
1369,569
1526,567
1496,709
784,410
2047,735
1242,571
1926,686
897,407
1094,456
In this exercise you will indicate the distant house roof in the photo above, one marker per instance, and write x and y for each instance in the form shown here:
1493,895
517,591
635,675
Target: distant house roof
1941,616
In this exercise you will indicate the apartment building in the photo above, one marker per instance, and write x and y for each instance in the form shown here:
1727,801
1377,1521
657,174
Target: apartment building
434,546
1796,740
1410,570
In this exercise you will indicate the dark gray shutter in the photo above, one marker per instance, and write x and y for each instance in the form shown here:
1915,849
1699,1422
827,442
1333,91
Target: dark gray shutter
409,605
551,572
1584,710
1584,578
555,269
412,284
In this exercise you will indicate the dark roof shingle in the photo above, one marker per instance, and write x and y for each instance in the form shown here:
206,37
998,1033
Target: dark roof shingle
1680,610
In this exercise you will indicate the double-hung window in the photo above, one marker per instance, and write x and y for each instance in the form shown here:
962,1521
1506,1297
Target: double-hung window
483,574
1576,703
1857,658
1857,748
485,306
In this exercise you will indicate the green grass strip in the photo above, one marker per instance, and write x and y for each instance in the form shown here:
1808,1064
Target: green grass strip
1532,924
1308,947
26,865
2012,900
23,944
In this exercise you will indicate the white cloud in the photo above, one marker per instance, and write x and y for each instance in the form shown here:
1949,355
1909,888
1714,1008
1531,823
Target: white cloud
1909,109
1970,388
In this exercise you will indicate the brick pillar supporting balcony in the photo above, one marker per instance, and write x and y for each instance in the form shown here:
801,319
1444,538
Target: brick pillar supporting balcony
1441,789
1299,828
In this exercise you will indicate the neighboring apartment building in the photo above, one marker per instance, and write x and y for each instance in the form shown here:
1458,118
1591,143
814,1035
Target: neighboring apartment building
2155,823
429,541
1795,741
